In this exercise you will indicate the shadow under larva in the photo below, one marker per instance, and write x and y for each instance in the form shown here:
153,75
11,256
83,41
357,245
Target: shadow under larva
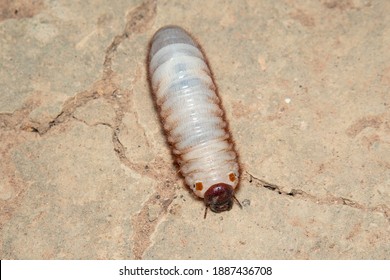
192,116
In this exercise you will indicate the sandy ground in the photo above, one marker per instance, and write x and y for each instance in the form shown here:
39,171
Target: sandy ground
85,172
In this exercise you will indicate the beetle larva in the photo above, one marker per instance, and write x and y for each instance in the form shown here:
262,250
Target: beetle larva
192,117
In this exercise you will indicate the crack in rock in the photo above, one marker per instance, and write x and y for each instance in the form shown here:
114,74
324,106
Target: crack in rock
151,214
153,210
14,121
329,200
67,111
137,21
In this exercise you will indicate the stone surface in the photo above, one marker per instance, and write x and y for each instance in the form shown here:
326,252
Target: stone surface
85,171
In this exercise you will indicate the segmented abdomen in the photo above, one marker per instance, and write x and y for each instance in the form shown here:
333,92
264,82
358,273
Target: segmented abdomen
190,110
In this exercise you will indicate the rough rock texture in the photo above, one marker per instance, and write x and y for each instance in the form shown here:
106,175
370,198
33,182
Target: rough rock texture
85,172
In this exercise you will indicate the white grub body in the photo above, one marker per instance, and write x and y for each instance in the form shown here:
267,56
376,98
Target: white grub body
190,110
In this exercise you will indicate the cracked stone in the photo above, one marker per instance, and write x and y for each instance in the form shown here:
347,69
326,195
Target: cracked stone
305,89
96,112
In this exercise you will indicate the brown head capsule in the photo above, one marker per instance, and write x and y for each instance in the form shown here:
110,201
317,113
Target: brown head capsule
219,197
